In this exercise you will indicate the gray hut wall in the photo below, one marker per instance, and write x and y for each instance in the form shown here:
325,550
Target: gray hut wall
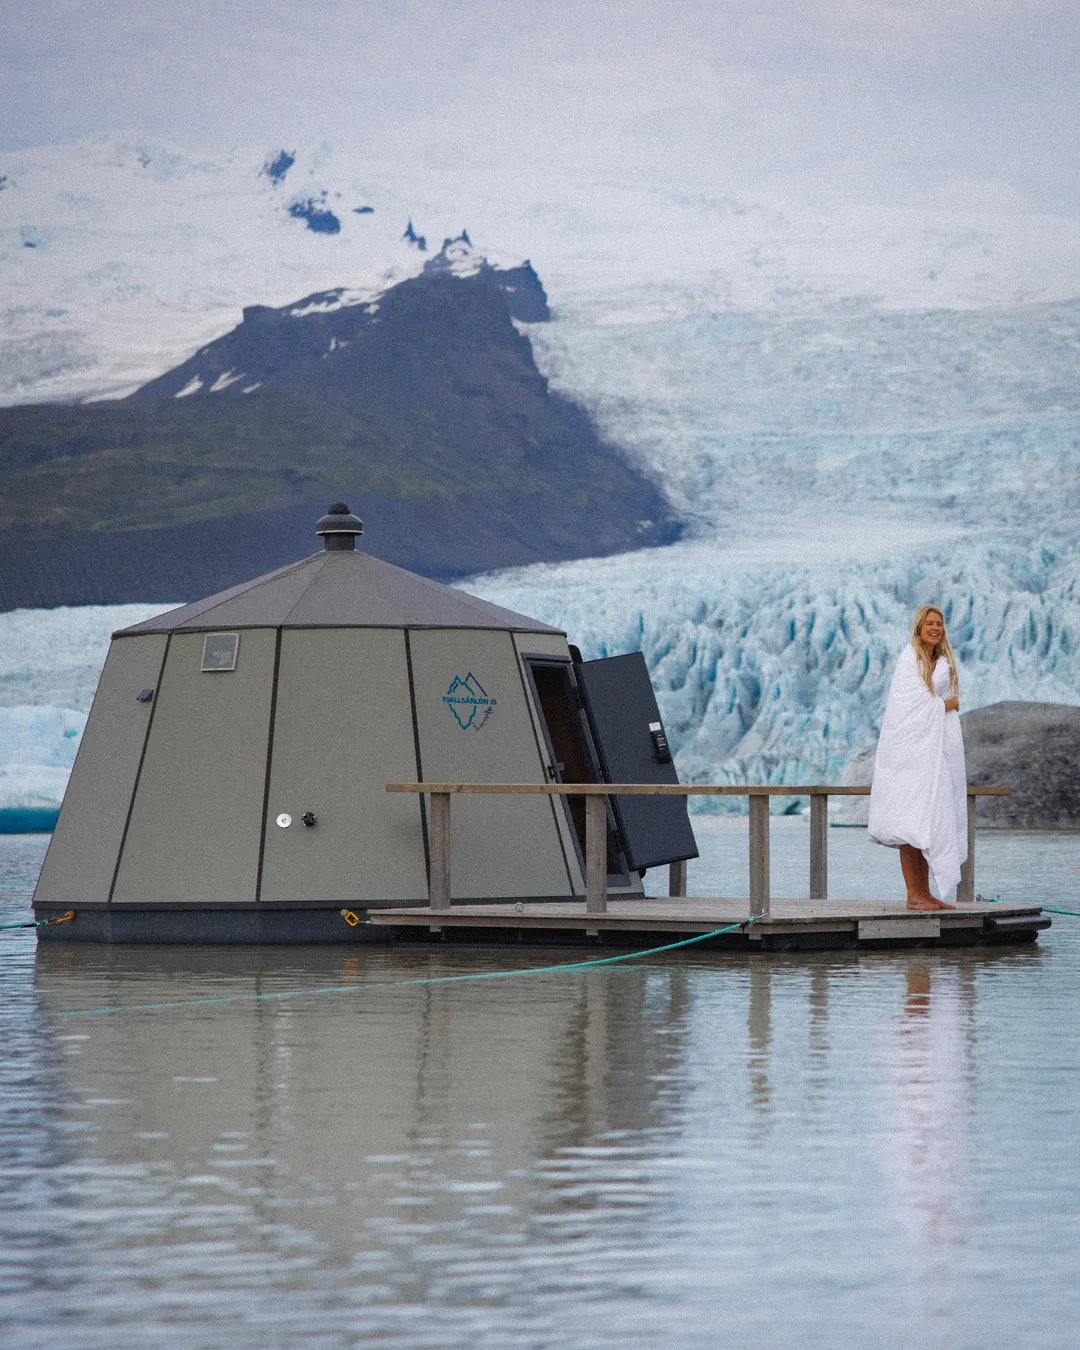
85,845
502,846
195,828
343,730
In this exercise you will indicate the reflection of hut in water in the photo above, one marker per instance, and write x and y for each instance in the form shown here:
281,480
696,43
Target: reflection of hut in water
263,1096
231,781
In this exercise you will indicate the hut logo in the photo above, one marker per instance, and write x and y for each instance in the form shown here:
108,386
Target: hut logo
468,702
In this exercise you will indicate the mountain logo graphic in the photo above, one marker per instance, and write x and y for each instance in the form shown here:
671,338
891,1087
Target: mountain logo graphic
469,702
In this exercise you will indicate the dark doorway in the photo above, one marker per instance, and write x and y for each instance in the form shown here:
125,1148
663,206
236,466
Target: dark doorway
571,757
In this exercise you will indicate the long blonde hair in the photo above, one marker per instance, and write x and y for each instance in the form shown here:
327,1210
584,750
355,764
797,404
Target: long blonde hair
927,657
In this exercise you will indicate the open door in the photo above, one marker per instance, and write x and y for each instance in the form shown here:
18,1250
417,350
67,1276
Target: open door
632,747
571,755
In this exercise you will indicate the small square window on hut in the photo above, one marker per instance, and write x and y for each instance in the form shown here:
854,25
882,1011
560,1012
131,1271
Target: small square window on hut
219,651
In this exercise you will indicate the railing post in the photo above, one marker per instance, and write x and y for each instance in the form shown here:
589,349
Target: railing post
759,854
965,890
819,846
439,850
677,879
596,853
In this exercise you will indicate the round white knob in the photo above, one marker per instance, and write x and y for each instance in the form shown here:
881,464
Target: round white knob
284,820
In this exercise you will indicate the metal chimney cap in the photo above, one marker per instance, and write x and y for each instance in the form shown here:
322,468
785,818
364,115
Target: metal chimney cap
339,527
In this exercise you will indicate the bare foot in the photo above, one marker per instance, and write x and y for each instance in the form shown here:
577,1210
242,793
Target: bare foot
927,902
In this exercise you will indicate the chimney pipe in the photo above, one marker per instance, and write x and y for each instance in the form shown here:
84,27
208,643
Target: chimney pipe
339,527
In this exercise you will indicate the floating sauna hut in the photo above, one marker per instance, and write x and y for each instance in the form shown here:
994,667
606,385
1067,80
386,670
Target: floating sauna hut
231,782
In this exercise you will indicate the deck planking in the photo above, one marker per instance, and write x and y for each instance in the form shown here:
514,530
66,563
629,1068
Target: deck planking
863,920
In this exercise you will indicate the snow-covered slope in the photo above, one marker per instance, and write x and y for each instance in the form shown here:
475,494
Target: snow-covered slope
121,258
973,416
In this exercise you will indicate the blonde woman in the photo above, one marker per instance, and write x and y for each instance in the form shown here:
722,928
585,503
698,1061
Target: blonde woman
918,801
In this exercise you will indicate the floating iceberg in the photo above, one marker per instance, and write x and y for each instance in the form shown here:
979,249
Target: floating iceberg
38,747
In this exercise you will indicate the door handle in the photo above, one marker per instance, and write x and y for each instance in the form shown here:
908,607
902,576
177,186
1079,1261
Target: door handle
661,749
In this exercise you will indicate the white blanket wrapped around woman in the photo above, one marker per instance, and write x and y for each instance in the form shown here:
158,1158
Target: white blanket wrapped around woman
919,792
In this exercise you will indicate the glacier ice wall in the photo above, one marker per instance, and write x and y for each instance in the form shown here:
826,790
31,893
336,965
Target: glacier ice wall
37,750
776,672
53,657
50,661
768,667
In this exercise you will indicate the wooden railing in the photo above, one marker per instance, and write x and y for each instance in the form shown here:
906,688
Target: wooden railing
596,830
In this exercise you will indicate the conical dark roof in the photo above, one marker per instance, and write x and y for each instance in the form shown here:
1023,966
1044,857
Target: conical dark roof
339,589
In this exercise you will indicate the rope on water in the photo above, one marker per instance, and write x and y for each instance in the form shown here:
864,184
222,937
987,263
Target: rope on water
435,979
996,900
391,984
41,923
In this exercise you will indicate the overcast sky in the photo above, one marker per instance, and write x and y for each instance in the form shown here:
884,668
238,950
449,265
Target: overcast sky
963,102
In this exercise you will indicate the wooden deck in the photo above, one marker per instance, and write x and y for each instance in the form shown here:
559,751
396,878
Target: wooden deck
597,815
768,924
789,923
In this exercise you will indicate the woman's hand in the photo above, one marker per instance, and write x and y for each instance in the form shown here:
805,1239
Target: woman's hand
952,705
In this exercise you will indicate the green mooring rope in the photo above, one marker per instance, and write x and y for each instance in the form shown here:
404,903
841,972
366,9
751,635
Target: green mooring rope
391,984
997,900
41,923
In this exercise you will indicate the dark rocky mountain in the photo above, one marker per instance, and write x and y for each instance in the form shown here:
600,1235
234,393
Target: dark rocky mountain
305,344
424,409
1034,748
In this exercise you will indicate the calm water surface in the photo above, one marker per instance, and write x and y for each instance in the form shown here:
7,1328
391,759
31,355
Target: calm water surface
698,1150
